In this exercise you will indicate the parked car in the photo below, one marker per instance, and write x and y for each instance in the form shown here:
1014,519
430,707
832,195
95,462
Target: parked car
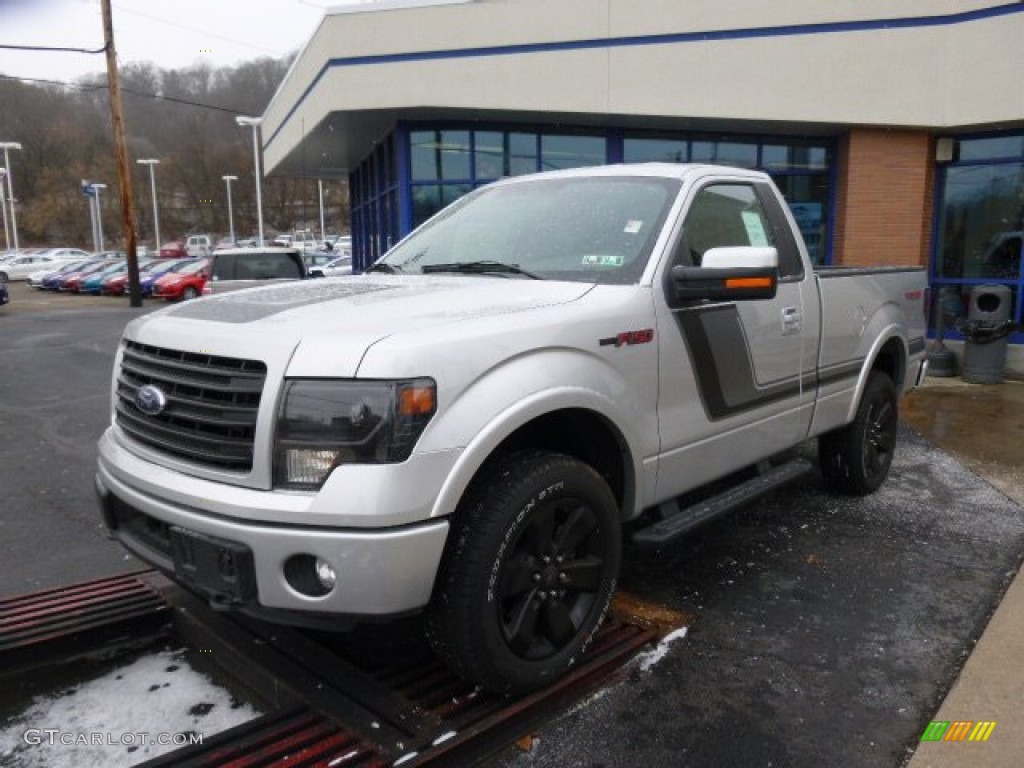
72,281
184,283
303,239
248,267
338,266
158,270
63,254
173,250
94,283
21,266
317,258
38,279
117,284
466,430
45,278
198,245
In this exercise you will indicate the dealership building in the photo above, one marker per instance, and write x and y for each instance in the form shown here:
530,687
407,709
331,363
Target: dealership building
894,128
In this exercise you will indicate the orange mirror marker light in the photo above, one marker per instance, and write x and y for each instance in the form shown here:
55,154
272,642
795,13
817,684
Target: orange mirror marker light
749,282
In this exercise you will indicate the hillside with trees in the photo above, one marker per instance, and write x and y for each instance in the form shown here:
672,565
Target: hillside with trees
186,119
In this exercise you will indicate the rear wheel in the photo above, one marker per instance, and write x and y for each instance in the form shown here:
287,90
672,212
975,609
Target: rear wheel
855,459
3,277
530,569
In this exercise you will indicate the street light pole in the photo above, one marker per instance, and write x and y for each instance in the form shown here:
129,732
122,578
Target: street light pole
3,205
99,212
6,146
320,189
151,161
254,123
231,218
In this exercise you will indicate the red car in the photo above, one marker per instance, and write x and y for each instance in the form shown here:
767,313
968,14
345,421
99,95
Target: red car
186,283
173,250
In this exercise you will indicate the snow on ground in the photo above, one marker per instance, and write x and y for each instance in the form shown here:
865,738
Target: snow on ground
649,658
131,714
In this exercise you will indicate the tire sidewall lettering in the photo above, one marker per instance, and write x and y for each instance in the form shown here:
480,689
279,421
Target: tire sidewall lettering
513,531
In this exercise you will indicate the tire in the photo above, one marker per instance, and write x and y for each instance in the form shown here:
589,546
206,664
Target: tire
189,293
528,574
855,459
3,277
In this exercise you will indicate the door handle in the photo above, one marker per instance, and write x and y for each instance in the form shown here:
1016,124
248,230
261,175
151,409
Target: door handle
792,320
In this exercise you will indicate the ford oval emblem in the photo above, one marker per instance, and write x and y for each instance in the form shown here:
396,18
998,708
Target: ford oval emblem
150,400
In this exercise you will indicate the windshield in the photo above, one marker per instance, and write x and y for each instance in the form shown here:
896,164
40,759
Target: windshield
592,229
191,268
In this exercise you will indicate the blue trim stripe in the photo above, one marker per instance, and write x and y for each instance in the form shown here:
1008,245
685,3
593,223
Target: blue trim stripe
675,38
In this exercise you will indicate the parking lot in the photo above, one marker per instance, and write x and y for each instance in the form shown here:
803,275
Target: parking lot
26,299
824,631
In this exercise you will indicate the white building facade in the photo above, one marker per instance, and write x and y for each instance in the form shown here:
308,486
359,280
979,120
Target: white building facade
895,128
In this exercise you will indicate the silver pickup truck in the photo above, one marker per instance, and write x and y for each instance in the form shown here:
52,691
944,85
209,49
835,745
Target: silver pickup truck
464,429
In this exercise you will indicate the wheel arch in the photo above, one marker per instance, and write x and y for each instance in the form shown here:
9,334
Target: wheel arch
579,431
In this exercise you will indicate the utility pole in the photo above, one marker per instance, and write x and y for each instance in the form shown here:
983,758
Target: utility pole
124,175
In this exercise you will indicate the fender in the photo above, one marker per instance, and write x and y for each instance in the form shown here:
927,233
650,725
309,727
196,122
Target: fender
892,331
494,407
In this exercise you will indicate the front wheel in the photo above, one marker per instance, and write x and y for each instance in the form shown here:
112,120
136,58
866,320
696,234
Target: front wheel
530,569
855,459
189,293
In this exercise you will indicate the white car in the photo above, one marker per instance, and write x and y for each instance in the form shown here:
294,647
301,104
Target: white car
20,267
339,266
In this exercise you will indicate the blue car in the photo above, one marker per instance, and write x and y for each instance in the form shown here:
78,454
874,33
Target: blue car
94,283
4,297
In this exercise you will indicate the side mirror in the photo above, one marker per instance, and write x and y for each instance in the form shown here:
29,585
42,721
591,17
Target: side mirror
735,273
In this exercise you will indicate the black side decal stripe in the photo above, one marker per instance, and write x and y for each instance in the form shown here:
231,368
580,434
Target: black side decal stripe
723,369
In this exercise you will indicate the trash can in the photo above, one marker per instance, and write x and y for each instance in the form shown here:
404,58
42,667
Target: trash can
986,334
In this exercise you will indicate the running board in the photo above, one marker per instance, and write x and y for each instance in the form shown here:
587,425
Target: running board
680,520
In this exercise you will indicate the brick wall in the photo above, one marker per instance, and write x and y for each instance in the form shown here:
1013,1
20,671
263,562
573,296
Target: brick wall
884,197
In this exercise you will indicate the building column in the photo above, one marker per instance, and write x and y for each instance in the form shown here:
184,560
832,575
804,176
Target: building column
885,195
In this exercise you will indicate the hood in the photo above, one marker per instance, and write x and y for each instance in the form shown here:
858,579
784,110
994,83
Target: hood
329,323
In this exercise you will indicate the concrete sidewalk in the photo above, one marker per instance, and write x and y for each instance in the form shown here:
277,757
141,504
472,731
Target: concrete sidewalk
982,425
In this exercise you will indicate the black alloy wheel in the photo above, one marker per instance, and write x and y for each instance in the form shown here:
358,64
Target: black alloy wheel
855,459
531,567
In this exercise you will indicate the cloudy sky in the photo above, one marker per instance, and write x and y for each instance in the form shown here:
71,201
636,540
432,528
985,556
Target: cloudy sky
170,34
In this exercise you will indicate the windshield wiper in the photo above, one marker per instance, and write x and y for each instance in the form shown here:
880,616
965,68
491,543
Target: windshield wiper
383,266
479,268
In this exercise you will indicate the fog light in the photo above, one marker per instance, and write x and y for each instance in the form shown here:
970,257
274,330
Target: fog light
309,575
325,574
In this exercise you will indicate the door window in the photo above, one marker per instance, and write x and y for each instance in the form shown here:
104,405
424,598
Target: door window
723,215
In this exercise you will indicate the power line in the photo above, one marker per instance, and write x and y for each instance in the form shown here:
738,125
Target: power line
133,92
204,32
10,47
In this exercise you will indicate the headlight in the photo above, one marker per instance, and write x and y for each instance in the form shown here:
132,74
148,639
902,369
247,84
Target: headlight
324,423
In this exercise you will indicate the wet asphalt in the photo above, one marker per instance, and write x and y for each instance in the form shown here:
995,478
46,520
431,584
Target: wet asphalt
822,631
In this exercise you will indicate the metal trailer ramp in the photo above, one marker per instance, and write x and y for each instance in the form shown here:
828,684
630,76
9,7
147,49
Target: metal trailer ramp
341,700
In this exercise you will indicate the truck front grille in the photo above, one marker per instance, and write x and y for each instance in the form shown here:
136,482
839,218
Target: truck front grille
212,404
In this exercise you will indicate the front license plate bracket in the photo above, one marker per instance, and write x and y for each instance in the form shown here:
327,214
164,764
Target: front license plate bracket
219,569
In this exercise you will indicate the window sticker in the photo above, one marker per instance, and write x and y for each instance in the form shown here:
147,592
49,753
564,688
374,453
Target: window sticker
755,228
633,226
602,260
